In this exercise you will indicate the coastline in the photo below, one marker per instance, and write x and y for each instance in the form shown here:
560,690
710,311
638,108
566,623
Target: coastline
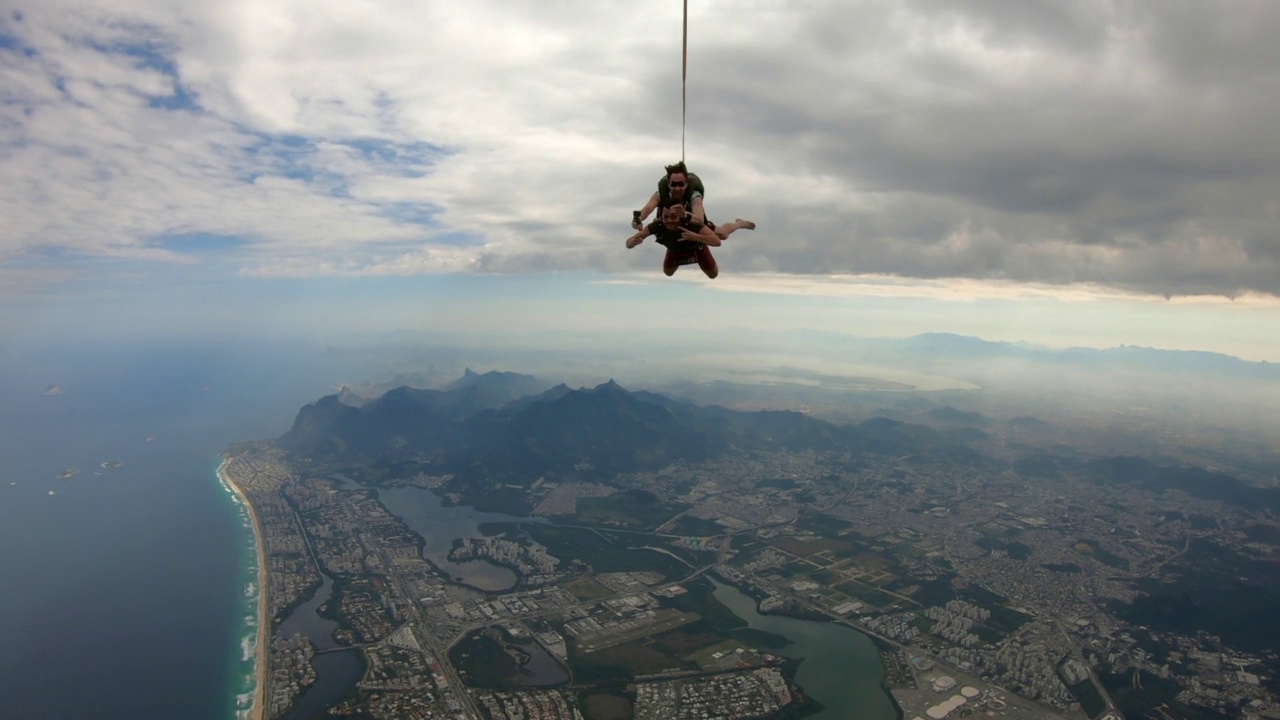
256,710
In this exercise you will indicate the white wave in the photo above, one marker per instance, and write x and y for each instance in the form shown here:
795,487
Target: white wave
248,649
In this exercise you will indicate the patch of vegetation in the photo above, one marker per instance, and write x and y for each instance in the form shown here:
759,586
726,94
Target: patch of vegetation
825,578
605,706
823,525
499,529
482,662
1018,551
604,667
806,547
1263,533
690,526
700,599
1203,522
685,641
632,509
936,592
1218,591
1089,698
496,499
587,589
760,638
1141,702
909,550
1091,548
602,554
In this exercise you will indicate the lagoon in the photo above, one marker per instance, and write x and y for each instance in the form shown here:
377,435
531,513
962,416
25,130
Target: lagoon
439,525
841,667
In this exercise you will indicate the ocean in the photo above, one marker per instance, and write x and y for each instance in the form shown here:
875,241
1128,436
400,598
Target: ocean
130,591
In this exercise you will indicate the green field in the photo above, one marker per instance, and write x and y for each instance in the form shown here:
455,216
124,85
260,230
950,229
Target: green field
602,554
690,526
630,509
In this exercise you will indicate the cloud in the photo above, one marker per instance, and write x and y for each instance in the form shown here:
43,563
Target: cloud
1059,143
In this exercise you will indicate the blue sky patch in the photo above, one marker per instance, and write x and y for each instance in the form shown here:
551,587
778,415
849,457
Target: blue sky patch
400,159
156,56
457,239
411,213
293,157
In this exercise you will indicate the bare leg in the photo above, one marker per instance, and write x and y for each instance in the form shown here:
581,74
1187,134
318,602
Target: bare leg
726,229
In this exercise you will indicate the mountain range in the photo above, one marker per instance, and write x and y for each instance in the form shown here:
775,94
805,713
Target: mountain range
515,427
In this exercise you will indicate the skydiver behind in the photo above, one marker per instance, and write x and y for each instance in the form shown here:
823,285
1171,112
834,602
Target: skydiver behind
686,187
685,238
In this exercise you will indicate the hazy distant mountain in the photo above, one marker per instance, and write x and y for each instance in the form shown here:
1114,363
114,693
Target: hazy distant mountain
554,393
941,347
604,427
948,345
507,384
347,396
605,430
401,417
949,414
324,427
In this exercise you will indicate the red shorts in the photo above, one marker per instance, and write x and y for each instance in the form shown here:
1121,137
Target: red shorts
701,256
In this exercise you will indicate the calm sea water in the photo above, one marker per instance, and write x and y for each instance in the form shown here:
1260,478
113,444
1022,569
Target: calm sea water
126,591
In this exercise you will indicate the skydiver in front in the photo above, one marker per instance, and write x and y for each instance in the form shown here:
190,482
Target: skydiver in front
687,240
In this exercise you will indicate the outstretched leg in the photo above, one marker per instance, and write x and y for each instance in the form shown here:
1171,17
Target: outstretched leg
726,229
708,263
670,263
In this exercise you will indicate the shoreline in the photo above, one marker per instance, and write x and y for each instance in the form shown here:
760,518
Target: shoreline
256,710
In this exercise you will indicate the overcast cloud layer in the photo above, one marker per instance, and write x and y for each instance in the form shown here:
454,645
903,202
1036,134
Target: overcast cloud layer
1129,145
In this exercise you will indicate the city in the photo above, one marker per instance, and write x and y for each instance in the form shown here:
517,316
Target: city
930,560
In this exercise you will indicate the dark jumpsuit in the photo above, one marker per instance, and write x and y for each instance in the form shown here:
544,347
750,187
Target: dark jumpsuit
681,251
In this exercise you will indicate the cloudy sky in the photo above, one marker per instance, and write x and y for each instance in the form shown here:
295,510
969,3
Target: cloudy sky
1074,172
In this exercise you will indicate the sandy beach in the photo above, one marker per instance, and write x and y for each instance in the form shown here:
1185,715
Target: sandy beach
260,681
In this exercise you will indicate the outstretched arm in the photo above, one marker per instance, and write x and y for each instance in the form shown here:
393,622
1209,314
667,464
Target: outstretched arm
644,211
639,237
703,234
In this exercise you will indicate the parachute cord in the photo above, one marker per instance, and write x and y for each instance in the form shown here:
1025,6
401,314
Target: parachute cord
684,80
